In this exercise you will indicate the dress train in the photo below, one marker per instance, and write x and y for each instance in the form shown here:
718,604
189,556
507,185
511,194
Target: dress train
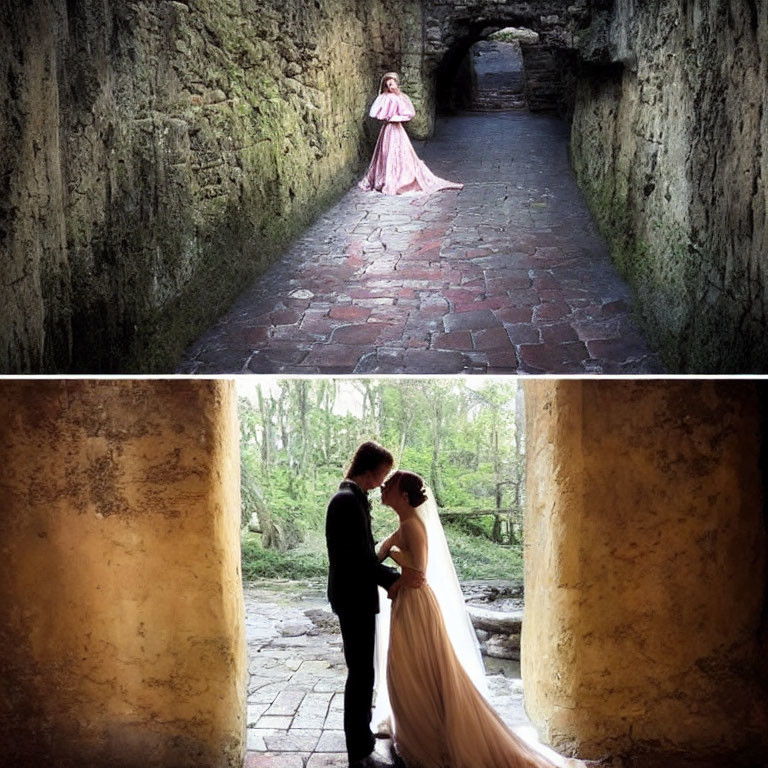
440,718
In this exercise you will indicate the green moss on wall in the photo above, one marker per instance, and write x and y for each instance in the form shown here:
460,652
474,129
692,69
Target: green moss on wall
668,143
209,134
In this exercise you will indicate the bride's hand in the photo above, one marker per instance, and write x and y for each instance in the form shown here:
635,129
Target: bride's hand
383,551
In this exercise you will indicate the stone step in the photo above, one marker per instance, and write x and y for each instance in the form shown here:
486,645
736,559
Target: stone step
506,80
501,106
500,98
497,95
497,631
505,97
495,622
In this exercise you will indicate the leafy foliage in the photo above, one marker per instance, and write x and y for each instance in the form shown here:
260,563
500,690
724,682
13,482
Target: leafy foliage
298,436
264,562
478,558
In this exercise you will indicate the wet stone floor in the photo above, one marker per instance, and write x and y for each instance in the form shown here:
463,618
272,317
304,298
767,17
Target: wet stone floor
297,674
508,275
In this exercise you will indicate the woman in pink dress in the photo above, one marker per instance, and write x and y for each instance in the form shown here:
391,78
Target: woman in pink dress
395,167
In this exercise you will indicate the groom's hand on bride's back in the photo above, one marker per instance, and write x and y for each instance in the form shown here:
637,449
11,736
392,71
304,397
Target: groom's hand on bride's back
393,590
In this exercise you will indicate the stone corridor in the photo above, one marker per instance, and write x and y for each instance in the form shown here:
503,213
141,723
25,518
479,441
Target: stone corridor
509,275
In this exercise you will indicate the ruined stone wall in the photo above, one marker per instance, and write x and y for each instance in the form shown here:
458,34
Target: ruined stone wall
646,571
156,155
670,144
121,609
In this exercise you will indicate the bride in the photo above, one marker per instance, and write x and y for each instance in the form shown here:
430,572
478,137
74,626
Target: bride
434,670
395,167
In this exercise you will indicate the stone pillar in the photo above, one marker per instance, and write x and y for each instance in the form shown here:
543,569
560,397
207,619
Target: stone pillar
645,570
417,77
546,75
121,609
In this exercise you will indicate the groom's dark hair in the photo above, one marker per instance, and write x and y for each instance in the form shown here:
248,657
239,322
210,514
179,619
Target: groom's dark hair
369,456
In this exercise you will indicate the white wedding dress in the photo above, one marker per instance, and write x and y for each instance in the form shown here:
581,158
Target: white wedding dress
434,672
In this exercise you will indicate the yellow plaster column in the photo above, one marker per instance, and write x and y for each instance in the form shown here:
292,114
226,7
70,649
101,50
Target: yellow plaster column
645,569
121,609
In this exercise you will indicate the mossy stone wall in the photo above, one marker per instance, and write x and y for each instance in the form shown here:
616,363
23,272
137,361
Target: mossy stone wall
156,156
670,144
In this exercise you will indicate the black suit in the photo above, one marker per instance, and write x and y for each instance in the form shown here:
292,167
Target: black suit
354,575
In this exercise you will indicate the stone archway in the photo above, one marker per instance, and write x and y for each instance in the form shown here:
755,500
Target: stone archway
451,30
491,77
121,608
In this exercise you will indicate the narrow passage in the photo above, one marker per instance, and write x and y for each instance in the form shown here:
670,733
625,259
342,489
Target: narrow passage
508,275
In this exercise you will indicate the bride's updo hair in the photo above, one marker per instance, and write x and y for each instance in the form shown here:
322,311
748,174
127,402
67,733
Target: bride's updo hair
413,485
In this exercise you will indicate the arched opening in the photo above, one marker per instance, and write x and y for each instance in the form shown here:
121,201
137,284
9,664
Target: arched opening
467,440
505,63
629,522
122,630
491,75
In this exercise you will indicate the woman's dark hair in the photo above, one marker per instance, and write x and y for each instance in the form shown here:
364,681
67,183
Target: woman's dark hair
369,456
413,485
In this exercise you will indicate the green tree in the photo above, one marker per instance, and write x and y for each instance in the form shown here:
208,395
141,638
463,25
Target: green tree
298,436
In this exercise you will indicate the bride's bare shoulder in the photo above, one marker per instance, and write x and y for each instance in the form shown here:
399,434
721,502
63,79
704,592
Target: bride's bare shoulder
413,526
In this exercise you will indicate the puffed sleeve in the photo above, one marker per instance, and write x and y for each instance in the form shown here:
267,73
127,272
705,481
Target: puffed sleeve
404,110
383,107
391,107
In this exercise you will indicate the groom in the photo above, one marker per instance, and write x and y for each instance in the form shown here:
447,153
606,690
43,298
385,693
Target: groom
353,578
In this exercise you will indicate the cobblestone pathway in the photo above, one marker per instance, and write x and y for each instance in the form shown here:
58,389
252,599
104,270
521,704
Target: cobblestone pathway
507,275
297,674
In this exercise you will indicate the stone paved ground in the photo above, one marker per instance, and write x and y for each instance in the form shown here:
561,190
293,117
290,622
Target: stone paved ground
507,275
297,673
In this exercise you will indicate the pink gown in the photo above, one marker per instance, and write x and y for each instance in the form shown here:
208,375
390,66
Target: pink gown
395,167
